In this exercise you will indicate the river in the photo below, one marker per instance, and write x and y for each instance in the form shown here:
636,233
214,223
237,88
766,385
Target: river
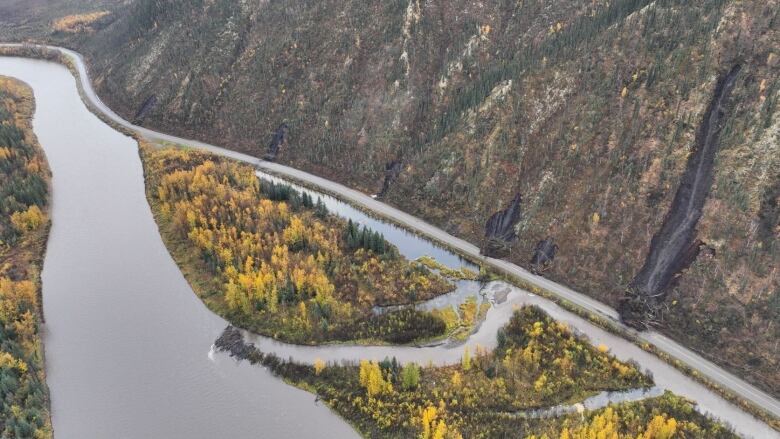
128,342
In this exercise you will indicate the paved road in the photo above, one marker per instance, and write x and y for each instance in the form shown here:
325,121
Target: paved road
663,343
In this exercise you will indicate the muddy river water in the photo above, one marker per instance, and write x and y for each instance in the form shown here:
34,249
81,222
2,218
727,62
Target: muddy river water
127,342
129,345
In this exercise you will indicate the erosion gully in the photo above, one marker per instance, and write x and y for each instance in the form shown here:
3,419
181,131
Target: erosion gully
129,346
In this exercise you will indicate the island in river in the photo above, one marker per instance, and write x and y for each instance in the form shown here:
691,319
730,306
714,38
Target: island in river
273,260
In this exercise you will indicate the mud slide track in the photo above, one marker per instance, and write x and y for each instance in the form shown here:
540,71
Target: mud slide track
669,247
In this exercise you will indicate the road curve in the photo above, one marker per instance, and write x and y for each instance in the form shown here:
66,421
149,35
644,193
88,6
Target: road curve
691,359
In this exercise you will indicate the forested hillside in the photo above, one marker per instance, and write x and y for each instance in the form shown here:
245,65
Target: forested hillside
589,109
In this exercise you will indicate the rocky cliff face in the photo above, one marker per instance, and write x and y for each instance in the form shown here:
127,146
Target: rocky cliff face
588,108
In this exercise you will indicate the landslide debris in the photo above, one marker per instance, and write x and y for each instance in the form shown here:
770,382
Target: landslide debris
544,254
674,247
500,229
278,142
145,109
392,171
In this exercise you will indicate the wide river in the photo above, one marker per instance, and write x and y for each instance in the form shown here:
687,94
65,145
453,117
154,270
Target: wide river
128,344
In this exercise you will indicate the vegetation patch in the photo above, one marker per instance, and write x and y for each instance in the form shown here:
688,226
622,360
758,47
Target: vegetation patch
79,23
462,274
538,363
24,227
273,260
461,323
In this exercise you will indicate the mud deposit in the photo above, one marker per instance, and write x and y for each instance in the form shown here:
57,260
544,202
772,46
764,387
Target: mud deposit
500,229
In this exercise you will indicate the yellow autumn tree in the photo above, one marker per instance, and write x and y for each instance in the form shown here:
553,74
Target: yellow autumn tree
319,366
603,425
372,379
303,313
9,361
466,360
434,427
440,431
457,380
295,233
540,382
606,425
29,220
14,296
660,427
236,298
427,419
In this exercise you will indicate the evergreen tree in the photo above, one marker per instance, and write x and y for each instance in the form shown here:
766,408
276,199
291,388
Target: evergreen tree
410,376
320,210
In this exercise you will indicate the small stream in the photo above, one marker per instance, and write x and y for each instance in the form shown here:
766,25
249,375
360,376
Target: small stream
409,245
600,400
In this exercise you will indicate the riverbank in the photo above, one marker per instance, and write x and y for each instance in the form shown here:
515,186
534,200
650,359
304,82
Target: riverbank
24,229
341,193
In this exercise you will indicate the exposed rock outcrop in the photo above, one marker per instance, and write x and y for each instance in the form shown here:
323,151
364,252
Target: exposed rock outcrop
674,247
500,229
